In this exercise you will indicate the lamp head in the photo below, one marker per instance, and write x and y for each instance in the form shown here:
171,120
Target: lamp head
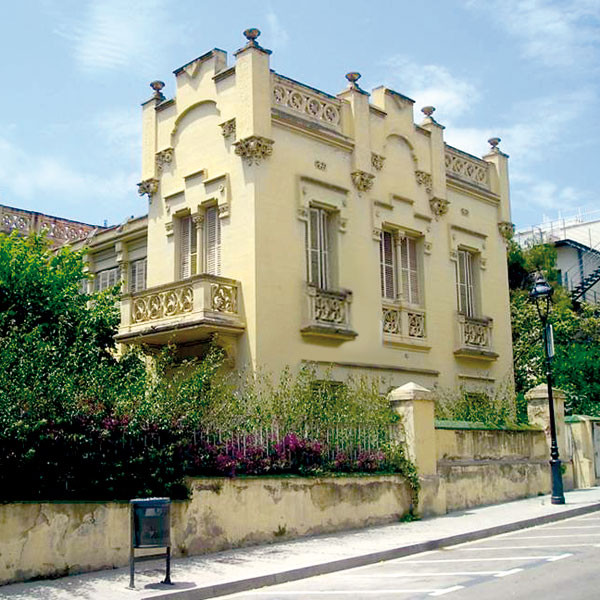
541,293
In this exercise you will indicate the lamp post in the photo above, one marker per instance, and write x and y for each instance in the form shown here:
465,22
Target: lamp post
541,293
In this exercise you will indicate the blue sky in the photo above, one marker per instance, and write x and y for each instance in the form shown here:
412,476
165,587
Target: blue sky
74,73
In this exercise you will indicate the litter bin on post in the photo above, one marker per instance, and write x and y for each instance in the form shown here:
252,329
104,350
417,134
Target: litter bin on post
150,528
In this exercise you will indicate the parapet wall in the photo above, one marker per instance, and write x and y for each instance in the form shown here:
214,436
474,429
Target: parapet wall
54,539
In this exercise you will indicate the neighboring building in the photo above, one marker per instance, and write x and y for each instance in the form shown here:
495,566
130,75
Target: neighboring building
304,227
577,242
58,230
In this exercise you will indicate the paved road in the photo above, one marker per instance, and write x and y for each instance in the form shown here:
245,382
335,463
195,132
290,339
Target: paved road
550,562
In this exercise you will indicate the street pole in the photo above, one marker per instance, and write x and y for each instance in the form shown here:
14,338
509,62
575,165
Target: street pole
558,496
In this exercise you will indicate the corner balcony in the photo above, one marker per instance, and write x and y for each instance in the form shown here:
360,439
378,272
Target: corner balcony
182,312
328,314
475,338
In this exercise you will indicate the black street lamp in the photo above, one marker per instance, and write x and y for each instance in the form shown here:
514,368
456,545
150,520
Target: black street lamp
541,293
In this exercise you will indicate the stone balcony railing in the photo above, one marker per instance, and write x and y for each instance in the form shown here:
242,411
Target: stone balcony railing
328,313
183,311
403,325
475,337
467,168
307,103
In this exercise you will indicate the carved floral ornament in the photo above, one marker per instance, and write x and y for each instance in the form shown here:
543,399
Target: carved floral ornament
228,128
506,229
439,206
424,179
362,181
253,149
377,161
164,157
148,187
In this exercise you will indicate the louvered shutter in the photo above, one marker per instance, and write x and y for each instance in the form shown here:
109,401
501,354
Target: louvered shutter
313,252
184,248
387,265
138,276
212,241
324,239
464,269
409,269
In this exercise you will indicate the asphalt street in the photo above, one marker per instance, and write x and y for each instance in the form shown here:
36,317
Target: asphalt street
554,561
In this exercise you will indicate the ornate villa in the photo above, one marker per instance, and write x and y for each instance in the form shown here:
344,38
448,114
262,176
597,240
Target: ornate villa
291,225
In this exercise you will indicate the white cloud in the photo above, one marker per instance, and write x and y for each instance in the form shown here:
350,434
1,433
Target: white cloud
278,37
114,34
121,131
432,85
32,181
556,33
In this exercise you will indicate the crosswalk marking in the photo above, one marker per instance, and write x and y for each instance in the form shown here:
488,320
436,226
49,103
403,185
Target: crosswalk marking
454,588
506,573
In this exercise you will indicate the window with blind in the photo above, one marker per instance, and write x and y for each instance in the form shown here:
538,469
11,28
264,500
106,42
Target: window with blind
318,248
106,279
212,241
137,276
387,266
465,283
409,270
188,248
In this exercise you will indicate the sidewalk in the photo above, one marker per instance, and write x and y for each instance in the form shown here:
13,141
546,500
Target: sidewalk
248,568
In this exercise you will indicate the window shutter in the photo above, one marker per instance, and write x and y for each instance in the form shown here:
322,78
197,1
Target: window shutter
212,241
464,276
387,265
313,247
184,248
138,276
324,232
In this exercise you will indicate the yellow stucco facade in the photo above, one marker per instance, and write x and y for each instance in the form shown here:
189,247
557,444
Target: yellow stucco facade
300,226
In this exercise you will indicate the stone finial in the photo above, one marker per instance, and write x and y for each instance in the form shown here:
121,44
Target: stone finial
493,142
353,77
428,111
251,34
158,86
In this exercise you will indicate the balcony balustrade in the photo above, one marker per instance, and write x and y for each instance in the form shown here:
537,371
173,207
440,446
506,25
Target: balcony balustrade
475,337
183,311
329,313
403,325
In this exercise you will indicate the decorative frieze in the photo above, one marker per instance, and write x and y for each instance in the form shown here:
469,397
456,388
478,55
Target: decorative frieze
506,229
164,157
228,128
160,305
439,206
362,181
377,161
309,104
148,187
16,221
466,167
223,298
253,149
424,179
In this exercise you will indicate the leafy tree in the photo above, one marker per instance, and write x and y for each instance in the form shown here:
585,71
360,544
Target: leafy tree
576,365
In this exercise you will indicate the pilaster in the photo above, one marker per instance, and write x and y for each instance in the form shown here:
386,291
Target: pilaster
437,153
499,181
538,412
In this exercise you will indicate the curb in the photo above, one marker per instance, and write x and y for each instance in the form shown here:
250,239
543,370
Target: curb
244,585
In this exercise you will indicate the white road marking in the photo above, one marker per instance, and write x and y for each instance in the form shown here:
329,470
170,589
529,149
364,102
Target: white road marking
308,593
576,527
558,535
505,573
454,588
451,574
559,557
487,558
526,547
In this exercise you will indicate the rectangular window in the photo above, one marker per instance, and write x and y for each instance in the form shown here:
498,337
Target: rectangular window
137,276
212,241
464,283
409,270
107,278
188,248
317,248
387,265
